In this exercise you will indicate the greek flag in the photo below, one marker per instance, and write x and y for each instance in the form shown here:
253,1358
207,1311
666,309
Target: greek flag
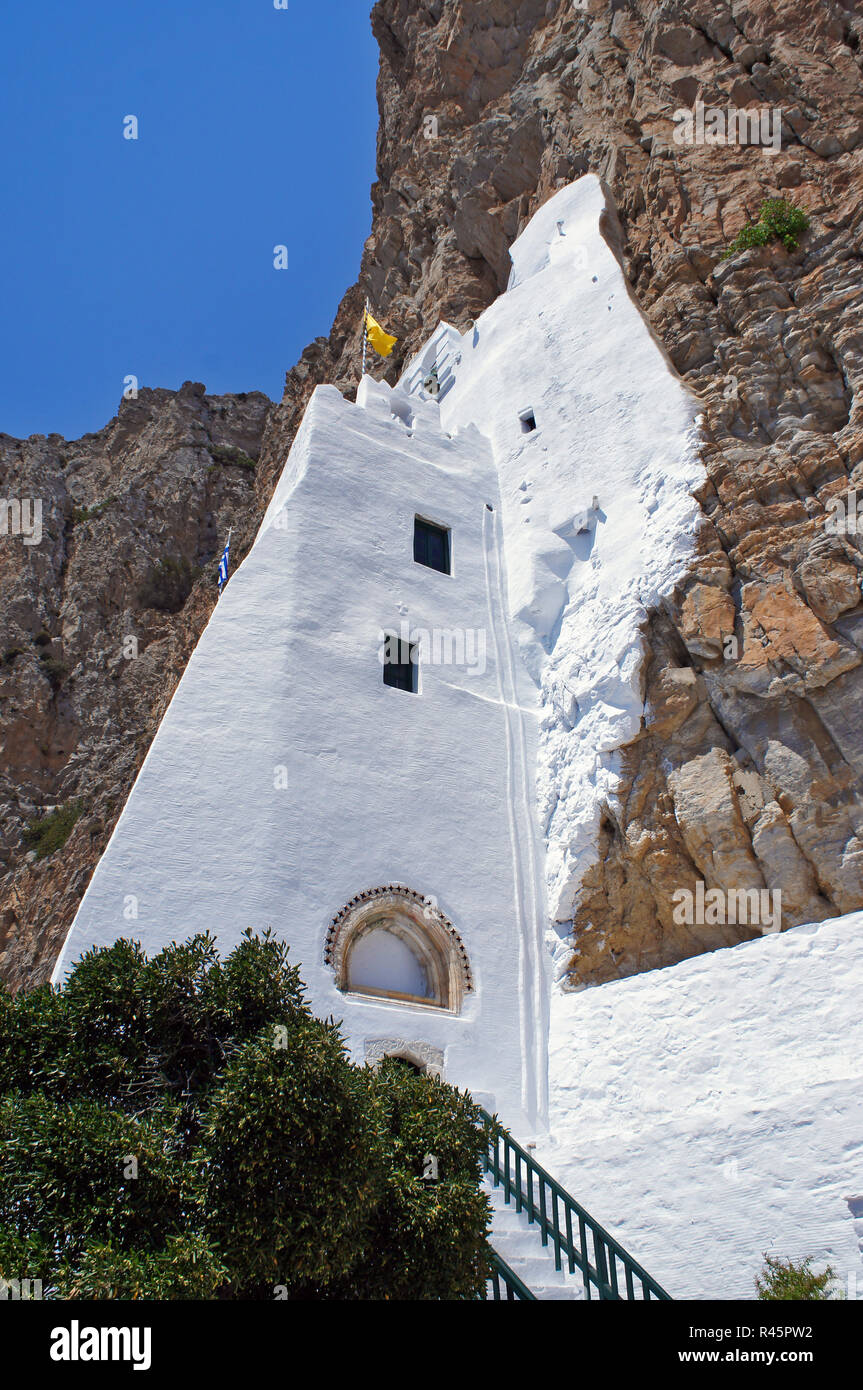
223,566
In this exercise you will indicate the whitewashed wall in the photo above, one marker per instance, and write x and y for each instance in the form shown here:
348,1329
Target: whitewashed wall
712,1111
614,423
383,787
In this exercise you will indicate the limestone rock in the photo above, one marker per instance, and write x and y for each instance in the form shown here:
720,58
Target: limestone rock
713,829
831,586
707,618
783,630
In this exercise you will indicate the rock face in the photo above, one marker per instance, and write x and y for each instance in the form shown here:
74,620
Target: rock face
746,772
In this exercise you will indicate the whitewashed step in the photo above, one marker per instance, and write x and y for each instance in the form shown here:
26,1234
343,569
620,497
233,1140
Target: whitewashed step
519,1244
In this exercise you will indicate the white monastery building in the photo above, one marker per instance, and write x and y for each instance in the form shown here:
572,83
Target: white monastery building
392,743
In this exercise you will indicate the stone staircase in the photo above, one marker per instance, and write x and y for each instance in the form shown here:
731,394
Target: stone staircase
579,1259
518,1242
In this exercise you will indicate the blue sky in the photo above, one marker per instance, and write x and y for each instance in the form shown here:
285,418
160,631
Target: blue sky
154,257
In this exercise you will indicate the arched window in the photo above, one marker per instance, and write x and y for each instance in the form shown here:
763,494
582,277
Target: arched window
384,960
394,944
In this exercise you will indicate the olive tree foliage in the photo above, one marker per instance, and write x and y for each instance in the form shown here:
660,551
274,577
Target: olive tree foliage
183,1127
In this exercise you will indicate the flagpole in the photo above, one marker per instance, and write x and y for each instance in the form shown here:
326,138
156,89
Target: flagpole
365,334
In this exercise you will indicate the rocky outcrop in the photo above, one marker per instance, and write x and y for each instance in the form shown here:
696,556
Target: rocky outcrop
748,763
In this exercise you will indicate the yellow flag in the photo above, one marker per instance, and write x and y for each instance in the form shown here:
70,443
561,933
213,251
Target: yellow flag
381,341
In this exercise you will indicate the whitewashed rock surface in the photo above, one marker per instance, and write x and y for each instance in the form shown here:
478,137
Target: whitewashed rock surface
712,1111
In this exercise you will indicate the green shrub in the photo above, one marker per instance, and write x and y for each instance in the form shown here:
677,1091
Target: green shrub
424,1235
47,834
55,670
785,1280
778,220
167,585
81,514
266,1163
226,454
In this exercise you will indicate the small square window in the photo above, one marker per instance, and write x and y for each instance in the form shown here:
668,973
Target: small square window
431,546
401,664
528,421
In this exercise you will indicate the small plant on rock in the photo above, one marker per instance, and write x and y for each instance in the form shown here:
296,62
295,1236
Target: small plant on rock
55,671
47,834
226,454
778,220
82,514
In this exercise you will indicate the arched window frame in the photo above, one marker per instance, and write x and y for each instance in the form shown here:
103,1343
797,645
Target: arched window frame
416,920
427,1058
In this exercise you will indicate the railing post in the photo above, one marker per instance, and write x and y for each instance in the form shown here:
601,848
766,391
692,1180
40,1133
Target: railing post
555,1214
585,1256
614,1284
601,1265
570,1253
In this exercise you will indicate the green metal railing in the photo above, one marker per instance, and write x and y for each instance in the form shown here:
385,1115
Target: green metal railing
513,1288
607,1271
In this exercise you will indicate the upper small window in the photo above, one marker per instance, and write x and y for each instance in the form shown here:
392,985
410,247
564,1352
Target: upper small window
528,421
431,546
400,661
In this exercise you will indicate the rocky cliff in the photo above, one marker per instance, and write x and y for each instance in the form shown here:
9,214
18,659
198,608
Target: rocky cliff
746,771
